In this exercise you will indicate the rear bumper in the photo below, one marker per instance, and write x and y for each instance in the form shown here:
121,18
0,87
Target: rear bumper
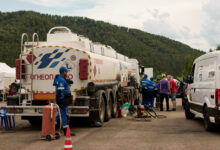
215,112
74,111
217,120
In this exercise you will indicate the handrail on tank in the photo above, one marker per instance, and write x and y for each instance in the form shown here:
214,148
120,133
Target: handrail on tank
33,39
22,40
60,27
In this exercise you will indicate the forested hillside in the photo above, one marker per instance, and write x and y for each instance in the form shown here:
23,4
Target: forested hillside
163,54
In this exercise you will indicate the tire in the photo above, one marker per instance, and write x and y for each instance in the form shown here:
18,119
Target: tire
137,100
102,110
99,115
108,110
129,96
132,96
115,107
208,125
188,114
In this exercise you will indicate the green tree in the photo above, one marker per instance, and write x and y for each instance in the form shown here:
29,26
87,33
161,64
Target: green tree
218,48
161,53
188,65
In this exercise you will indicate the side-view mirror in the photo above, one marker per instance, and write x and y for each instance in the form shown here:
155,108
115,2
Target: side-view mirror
188,79
185,79
141,70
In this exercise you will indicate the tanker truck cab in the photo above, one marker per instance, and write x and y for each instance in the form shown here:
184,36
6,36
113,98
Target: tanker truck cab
100,76
202,98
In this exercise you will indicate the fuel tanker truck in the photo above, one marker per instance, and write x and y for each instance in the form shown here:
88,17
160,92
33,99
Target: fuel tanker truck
102,78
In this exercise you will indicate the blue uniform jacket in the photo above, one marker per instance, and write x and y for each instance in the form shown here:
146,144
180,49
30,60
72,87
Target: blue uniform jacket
144,83
155,86
61,84
151,86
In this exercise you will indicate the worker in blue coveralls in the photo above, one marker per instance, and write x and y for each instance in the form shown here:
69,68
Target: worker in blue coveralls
144,84
63,96
152,88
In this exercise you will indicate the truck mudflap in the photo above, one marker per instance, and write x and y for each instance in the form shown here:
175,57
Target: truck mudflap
74,111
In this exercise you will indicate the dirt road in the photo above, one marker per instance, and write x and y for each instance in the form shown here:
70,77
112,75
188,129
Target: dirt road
171,133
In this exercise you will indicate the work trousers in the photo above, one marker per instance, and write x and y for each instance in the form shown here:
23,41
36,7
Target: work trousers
158,101
162,96
64,116
148,101
144,100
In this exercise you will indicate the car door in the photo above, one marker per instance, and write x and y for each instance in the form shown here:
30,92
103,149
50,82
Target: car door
192,86
205,88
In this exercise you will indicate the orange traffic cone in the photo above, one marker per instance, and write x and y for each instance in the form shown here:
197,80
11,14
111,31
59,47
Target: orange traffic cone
68,143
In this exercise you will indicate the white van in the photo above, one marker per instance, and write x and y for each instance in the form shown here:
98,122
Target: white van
202,95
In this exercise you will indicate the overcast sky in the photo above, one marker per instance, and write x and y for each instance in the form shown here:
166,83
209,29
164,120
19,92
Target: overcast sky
194,22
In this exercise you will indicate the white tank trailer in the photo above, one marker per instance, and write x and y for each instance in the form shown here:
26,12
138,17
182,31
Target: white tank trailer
103,79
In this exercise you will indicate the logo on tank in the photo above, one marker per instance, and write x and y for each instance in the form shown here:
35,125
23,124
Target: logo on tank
50,59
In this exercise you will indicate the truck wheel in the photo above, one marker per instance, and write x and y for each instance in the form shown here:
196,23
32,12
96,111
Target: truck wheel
208,125
188,114
132,96
137,100
102,110
129,97
114,110
98,116
115,106
108,110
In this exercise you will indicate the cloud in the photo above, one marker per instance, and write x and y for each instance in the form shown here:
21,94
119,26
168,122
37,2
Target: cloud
210,29
155,14
160,24
82,4
192,22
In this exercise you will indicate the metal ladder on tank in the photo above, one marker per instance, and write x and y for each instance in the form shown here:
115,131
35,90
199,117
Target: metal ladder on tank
27,94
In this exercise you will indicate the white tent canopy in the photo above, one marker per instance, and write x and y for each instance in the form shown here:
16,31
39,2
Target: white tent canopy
7,75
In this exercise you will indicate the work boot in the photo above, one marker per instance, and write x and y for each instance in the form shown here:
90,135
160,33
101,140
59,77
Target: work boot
71,133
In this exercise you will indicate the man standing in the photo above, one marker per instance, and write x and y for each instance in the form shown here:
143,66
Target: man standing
144,91
164,92
152,88
63,97
158,93
173,91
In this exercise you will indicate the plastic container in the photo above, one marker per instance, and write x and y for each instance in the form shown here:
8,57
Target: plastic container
124,109
48,122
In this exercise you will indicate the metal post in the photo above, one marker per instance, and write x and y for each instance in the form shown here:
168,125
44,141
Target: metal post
32,66
22,50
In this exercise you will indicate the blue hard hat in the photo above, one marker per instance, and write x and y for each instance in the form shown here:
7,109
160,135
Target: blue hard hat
151,78
145,76
62,69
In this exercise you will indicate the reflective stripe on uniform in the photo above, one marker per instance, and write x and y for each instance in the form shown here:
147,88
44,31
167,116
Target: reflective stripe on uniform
66,126
60,88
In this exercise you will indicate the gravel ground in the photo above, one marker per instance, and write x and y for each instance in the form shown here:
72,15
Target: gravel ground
171,133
